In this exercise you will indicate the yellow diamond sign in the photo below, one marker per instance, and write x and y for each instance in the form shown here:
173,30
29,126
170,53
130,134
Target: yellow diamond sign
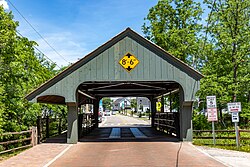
129,62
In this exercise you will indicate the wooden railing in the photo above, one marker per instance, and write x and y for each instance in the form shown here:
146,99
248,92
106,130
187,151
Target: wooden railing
221,134
48,127
168,122
18,140
86,123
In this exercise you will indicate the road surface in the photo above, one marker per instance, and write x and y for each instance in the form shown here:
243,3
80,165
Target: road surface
105,147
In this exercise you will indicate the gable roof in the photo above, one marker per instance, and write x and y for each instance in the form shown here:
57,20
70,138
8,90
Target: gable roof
126,33
120,100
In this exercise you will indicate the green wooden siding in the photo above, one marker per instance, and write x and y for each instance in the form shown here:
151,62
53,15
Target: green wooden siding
105,67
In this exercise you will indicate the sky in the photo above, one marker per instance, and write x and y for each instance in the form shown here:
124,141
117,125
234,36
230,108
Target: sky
74,28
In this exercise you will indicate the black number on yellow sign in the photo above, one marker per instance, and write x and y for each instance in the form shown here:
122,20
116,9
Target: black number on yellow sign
131,62
124,61
128,62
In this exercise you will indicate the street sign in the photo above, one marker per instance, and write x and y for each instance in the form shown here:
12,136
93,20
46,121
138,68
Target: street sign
129,62
234,107
211,102
212,114
235,117
158,106
211,108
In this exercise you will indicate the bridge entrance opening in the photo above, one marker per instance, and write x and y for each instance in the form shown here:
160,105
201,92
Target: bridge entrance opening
110,105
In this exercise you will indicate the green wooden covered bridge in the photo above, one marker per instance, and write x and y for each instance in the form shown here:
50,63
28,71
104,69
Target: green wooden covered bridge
126,65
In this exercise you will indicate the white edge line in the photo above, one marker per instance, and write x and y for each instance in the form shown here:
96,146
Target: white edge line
58,156
224,163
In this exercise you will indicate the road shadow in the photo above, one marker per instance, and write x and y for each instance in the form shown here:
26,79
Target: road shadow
102,135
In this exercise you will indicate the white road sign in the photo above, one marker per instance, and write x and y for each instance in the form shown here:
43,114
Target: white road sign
211,108
235,117
211,102
234,107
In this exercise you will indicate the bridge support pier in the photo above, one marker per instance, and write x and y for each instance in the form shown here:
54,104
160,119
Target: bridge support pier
96,111
153,111
186,129
72,133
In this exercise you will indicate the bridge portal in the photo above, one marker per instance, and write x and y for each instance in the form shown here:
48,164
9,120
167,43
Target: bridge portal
126,65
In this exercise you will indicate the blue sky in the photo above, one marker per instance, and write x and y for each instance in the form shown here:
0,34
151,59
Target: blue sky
77,27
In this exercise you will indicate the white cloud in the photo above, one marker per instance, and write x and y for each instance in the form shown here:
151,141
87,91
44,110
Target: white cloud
65,44
4,3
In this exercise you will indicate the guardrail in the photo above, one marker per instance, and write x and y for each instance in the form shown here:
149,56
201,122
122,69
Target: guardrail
29,140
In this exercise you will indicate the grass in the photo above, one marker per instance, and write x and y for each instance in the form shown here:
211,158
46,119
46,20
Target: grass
229,144
11,154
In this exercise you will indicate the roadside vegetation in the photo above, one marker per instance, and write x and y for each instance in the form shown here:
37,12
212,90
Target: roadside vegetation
213,38
22,68
215,43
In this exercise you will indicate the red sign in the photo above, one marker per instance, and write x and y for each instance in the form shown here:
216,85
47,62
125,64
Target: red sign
234,107
212,114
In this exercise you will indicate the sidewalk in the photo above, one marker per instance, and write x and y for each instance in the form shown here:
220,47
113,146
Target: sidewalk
38,156
229,158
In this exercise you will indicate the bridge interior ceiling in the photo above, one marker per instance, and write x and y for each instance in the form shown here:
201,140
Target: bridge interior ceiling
93,90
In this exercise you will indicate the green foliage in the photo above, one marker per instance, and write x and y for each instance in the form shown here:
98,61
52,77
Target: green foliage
227,67
174,26
229,144
21,70
220,49
200,121
107,103
134,103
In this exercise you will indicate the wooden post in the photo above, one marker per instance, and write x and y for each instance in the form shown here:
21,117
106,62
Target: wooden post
80,122
47,127
38,124
34,136
60,126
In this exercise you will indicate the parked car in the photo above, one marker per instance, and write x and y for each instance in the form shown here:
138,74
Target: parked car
114,112
99,117
107,113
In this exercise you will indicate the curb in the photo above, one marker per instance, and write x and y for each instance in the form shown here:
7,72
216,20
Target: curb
209,155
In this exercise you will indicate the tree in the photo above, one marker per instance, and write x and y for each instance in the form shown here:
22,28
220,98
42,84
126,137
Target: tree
134,104
107,103
227,66
21,70
174,26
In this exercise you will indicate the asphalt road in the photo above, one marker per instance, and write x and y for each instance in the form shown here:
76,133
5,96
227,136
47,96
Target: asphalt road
131,152
122,121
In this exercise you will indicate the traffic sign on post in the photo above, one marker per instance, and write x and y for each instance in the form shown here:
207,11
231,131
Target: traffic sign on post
212,112
235,117
234,107
211,108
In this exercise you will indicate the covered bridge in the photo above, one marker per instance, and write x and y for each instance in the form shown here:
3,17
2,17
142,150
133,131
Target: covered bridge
126,65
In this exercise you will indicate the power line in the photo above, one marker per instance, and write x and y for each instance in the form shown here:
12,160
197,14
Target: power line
41,52
38,32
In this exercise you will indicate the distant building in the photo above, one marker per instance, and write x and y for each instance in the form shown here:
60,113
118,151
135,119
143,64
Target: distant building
143,104
121,103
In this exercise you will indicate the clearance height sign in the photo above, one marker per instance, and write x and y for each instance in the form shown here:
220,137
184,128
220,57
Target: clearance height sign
129,62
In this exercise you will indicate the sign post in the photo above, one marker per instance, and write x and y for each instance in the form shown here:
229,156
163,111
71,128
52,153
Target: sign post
212,113
235,108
